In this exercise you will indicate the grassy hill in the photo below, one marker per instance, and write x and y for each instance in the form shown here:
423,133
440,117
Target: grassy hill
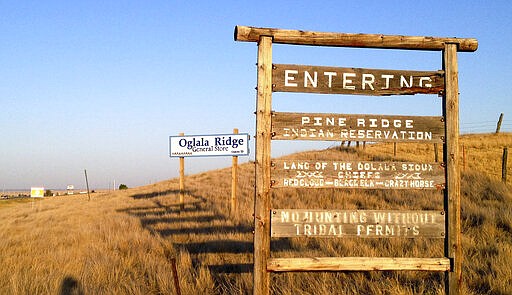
126,242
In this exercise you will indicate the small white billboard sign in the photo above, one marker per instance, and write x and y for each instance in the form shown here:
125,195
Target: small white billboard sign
209,145
37,192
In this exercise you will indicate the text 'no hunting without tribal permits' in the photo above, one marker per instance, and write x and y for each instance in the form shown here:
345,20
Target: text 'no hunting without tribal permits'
357,223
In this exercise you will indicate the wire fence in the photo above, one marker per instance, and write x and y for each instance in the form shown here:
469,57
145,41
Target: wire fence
485,126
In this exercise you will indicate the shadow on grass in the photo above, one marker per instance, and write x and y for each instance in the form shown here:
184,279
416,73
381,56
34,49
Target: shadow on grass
230,246
160,208
218,247
146,220
70,286
231,268
154,212
152,195
206,232
155,194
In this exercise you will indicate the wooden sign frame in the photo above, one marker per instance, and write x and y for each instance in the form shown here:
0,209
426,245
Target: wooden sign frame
451,264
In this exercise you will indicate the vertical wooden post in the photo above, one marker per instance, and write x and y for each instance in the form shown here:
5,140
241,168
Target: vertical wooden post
182,180
498,126
436,153
463,158
234,181
175,276
262,195
504,165
453,248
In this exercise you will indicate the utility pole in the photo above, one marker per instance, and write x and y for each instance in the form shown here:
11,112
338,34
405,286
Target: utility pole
87,184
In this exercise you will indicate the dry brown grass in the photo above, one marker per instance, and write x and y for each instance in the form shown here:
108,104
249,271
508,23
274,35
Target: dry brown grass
480,152
123,243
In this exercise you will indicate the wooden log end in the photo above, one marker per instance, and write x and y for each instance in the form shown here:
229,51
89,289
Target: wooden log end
468,45
243,33
235,35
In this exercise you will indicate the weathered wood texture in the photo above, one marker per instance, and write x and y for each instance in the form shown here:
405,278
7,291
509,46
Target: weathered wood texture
234,181
356,174
357,264
335,80
453,245
436,153
176,280
297,37
452,263
504,160
263,152
357,223
352,127
182,180
498,125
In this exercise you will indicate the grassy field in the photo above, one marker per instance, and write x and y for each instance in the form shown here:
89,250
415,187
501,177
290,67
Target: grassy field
125,242
16,201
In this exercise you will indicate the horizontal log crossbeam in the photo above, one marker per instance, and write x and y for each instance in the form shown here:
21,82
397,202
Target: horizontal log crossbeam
298,37
357,264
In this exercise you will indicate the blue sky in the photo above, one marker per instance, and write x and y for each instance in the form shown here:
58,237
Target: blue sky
101,85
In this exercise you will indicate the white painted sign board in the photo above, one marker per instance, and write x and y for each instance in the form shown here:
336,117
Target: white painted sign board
209,145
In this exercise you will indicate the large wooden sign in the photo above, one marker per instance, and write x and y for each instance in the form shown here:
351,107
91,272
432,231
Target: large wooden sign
357,223
341,127
332,80
372,128
356,174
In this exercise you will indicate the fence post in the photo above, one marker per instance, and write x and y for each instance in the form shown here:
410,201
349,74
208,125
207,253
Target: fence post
504,165
234,181
182,181
175,276
463,158
498,126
